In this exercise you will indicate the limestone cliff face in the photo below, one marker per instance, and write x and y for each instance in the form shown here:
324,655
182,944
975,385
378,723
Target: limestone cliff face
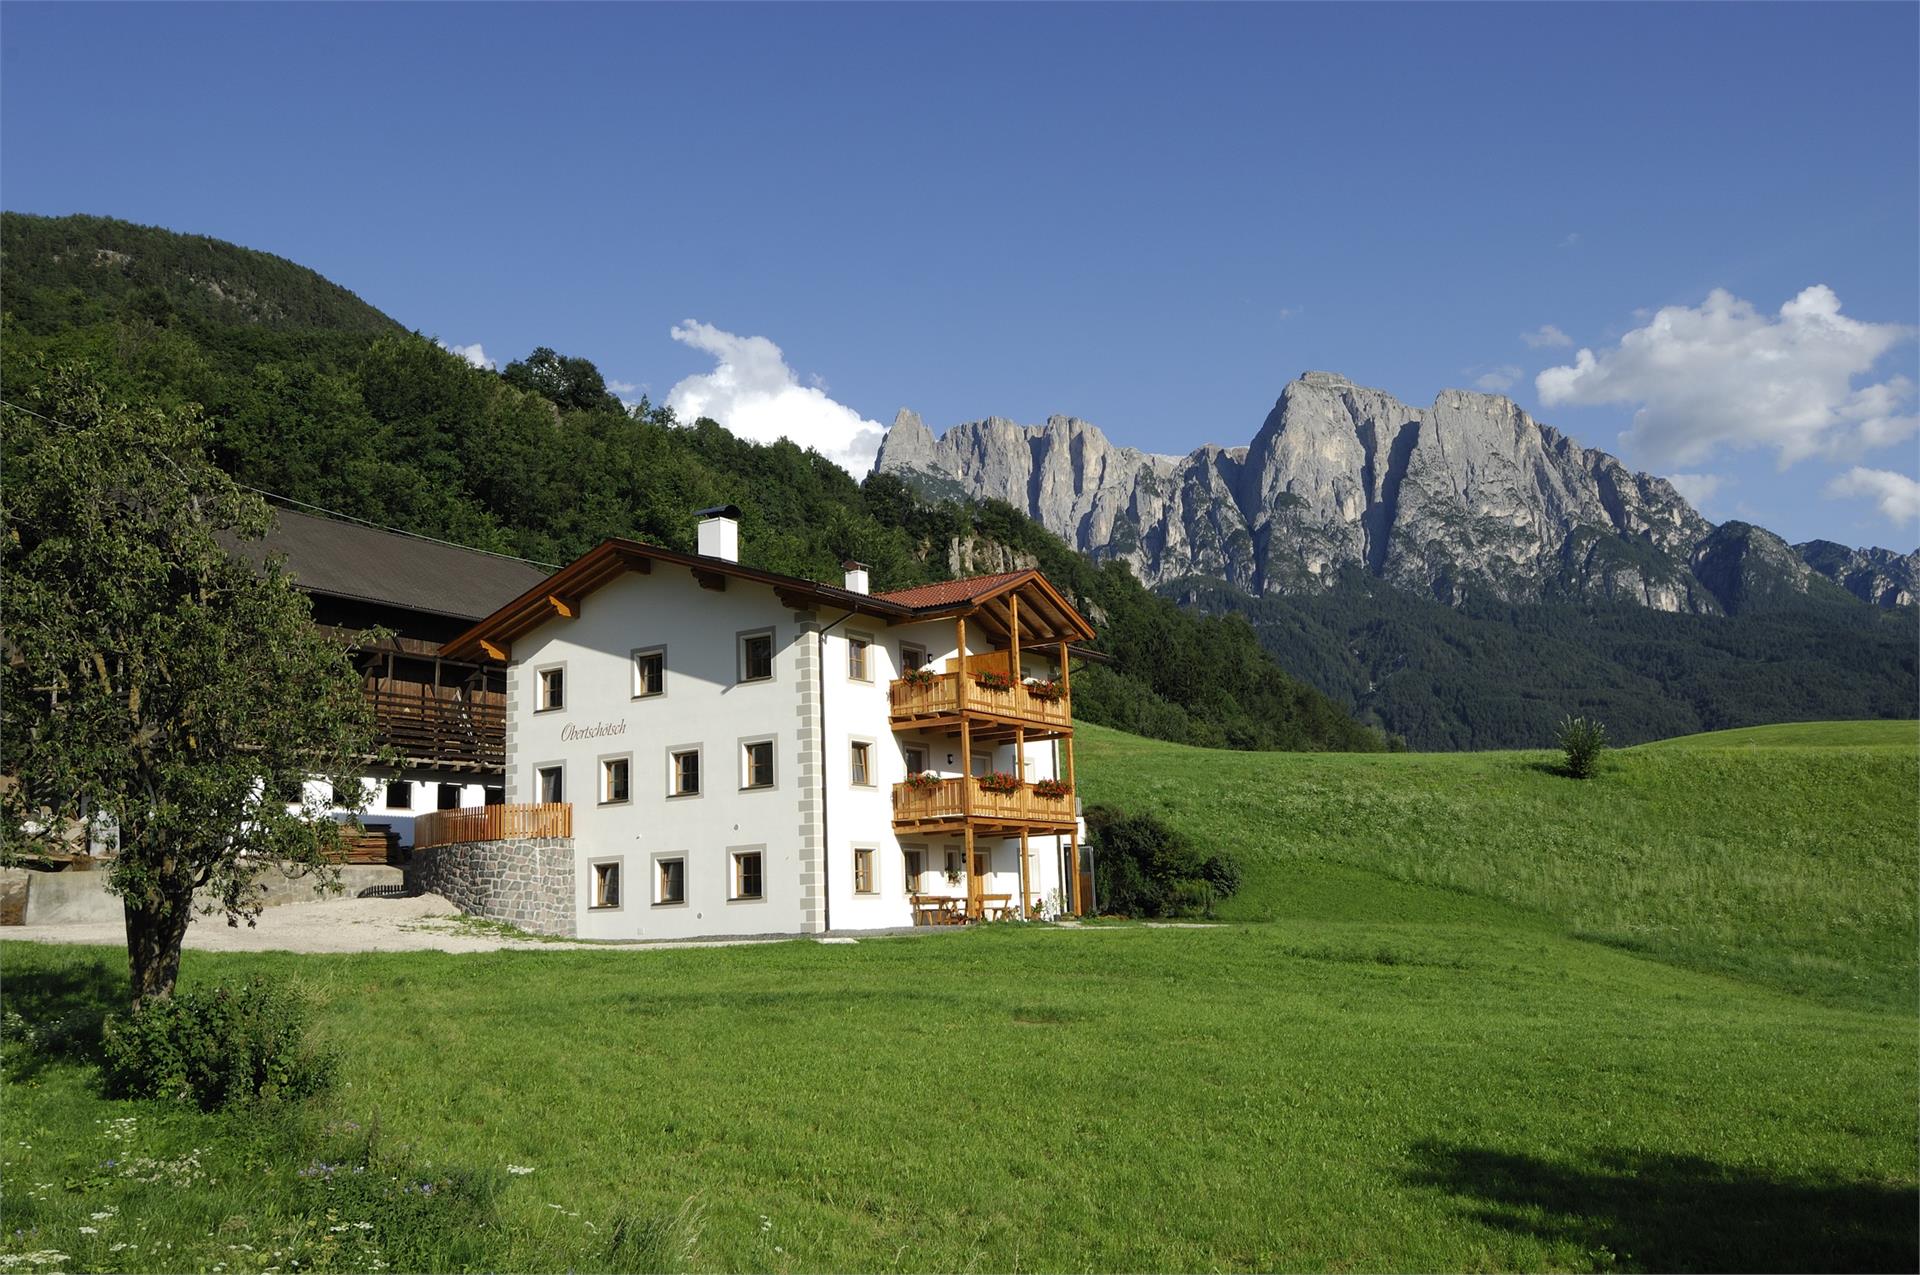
1877,576
1469,497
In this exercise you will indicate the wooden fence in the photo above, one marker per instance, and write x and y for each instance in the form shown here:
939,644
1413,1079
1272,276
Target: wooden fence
493,823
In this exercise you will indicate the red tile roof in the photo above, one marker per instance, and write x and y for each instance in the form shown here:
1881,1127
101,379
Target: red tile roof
949,592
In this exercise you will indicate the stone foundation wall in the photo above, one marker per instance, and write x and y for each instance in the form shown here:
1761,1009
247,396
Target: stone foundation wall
524,882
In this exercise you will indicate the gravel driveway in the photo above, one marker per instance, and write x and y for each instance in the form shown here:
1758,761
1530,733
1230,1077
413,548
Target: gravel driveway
424,923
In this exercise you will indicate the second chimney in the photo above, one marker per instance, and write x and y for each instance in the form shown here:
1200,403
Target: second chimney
720,532
856,576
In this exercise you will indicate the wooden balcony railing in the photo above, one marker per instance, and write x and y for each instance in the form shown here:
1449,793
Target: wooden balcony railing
427,729
947,800
493,823
940,697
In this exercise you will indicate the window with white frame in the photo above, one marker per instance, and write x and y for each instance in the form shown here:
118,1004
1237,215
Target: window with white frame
912,656
859,657
669,881
914,861
756,764
552,683
606,884
915,757
649,673
860,763
747,882
550,782
863,876
756,656
683,772
616,774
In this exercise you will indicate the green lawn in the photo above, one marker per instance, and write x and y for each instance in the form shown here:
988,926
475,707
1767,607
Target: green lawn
1406,1064
1786,854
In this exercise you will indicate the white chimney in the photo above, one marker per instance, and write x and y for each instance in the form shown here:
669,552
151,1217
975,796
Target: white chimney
720,532
856,576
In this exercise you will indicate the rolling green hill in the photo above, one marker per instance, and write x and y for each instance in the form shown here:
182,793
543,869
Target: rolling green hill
1784,855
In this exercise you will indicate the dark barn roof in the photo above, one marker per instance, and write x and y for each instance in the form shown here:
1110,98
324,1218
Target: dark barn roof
348,560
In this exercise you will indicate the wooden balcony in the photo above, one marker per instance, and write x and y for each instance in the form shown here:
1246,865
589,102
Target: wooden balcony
945,806
936,704
429,729
493,823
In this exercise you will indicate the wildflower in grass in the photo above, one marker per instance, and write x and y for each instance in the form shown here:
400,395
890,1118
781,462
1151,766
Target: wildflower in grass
89,1230
520,1170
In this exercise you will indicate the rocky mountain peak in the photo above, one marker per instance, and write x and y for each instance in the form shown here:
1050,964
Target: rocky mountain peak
1468,497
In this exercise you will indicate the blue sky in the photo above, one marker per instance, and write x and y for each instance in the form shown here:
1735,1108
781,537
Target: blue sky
1149,217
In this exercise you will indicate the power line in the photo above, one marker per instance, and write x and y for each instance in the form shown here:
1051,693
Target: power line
331,513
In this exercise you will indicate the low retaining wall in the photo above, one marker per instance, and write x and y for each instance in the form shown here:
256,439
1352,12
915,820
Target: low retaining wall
78,896
526,882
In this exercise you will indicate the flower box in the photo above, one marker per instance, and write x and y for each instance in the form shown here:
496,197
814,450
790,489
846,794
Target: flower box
1047,692
1051,789
918,677
999,781
925,781
991,681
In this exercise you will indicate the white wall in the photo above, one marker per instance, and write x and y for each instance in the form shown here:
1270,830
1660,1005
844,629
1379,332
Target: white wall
426,799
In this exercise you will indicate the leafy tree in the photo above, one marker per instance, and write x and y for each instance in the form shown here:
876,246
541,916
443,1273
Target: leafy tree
1582,739
158,683
572,384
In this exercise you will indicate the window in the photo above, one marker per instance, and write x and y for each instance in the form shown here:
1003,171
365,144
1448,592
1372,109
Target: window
328,795
982,764
916,758
916,866
861,760
859,658
670,881
746,875
863,872
449,797
683,772
954,862
912,657
649,673
614,773
756,657
496,796
550,783
399,795
606,885
553,689
756,764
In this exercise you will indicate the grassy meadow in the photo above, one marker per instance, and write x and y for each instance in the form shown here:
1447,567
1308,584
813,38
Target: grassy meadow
1466,1015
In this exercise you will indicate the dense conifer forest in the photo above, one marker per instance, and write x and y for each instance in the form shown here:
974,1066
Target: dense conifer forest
317,397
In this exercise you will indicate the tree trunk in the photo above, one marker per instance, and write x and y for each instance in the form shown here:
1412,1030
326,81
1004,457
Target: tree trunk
156,926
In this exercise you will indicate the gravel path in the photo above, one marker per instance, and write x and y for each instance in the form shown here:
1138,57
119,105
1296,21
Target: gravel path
424,923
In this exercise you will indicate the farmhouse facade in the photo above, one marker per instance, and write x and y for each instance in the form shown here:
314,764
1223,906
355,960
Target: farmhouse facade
442,722
693,747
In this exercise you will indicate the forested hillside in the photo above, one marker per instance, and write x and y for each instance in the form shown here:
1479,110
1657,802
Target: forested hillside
316,397
1490,675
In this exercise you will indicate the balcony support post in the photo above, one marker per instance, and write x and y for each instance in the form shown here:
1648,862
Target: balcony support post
1013,638
960,686
1024,888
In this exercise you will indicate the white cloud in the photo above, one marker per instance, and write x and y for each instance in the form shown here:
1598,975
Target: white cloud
1698,489
1725,374
473,354
1572,240
1500,379
1896,495
628,392
753,392
1546,335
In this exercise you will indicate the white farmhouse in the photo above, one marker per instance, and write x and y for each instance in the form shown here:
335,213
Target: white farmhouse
695,747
